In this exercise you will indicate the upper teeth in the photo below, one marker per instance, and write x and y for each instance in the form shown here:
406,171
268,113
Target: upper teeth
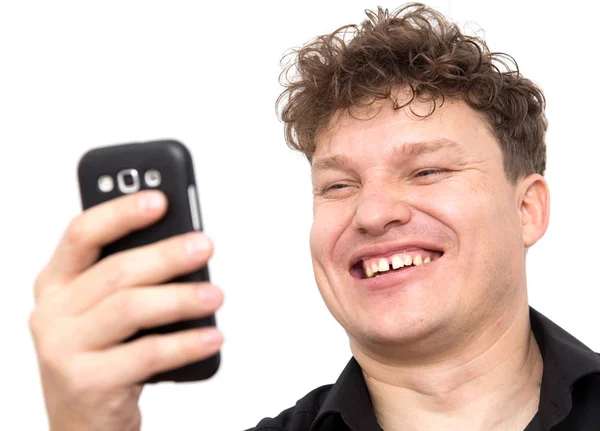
376,266
383,265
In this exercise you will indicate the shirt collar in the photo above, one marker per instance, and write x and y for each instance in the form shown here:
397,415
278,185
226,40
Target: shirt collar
350,399
566,360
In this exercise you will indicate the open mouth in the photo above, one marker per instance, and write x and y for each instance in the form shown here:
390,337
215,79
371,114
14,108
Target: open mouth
382,265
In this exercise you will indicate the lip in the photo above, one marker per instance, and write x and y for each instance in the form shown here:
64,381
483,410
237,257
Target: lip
397,279
390,249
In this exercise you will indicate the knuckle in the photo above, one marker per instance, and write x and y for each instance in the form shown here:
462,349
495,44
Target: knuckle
76,231
187,348
34,323
51,359
51,340
151,353
164,256
125,311
182,300
39,283
160,351
51,355
168,251
123,304
43,284
79,379
114,270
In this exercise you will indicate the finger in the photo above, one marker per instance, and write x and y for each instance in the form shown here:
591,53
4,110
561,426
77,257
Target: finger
102,224
135,361
142,266
124,313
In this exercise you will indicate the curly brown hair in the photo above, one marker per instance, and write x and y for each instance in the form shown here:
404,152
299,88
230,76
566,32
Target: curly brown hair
417,48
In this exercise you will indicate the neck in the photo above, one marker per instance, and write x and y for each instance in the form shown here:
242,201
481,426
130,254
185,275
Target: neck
492,383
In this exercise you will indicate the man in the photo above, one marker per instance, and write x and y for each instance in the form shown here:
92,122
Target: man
427,160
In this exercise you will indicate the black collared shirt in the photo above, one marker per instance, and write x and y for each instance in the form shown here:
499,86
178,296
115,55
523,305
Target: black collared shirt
569,397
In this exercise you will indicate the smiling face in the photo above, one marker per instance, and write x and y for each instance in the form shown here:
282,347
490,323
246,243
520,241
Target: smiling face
396,190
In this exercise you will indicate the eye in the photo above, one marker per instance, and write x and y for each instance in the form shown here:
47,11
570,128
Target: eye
336,190
336,187
429,172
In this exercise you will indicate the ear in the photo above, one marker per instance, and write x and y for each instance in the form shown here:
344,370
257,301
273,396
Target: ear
534,207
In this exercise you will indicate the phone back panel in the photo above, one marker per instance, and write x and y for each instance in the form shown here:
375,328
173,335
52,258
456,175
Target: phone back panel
174,162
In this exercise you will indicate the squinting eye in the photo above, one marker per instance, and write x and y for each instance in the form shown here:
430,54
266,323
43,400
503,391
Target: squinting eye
429,172
336,187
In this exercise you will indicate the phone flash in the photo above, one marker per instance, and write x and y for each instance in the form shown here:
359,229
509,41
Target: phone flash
152,178
106,183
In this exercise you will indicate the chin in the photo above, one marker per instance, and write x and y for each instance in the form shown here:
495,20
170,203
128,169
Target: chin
400,314
396,329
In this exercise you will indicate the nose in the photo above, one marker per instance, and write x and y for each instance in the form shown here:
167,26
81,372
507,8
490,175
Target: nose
379,208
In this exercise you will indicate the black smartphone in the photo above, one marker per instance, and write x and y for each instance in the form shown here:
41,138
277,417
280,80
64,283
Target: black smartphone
109,172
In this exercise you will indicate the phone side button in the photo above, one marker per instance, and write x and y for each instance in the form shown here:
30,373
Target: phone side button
194,207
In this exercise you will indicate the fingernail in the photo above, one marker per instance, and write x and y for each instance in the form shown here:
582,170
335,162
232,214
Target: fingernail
197,244
208,295
152,200
212,336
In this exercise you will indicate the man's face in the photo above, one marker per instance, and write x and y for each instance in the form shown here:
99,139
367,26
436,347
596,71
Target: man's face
396,189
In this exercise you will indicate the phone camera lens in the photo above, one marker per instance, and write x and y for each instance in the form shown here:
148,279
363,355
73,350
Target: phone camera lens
106,184
129,181
152,178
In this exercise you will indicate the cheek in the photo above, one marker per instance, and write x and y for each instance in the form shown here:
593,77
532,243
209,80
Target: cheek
485,224
325,229
476,213
455,204
317,240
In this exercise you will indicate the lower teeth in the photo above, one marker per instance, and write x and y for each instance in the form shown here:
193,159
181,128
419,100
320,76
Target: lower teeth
392,270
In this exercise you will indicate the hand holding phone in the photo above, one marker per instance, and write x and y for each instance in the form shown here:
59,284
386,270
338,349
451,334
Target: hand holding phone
110,172
88,314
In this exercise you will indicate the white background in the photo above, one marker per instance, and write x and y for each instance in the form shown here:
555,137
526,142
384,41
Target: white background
74,75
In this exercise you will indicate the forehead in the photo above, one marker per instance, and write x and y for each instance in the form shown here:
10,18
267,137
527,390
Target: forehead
381,130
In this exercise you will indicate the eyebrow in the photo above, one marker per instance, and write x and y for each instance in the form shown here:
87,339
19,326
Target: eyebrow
408,149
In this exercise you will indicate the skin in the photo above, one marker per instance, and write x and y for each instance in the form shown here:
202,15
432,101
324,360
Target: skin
437,352
90,380
449,347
